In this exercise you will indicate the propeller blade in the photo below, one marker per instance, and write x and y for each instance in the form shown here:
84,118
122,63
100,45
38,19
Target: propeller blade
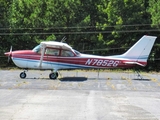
11,49
10,54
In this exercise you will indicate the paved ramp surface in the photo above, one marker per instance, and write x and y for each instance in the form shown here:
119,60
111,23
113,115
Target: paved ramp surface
79,95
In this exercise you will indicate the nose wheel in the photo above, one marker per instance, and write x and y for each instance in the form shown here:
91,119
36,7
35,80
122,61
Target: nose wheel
53,75
23,75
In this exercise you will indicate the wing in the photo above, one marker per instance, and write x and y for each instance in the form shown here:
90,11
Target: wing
56,45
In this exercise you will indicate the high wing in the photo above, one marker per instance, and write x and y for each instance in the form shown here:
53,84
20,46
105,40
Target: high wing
56,45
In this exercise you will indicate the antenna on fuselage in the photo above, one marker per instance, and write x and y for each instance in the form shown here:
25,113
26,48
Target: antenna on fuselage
63,39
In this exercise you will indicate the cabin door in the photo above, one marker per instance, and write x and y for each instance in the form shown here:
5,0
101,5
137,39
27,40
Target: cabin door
52,57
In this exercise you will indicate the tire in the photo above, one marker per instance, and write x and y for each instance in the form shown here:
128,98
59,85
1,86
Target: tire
22,75
53,75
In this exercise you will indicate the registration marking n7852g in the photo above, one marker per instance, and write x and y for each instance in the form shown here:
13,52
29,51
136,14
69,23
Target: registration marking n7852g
103,63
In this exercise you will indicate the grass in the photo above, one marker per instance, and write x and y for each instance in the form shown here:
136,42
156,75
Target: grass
9,68
111,85
115,70
154,80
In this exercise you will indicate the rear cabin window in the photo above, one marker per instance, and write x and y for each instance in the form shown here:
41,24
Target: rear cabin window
51,51
66,53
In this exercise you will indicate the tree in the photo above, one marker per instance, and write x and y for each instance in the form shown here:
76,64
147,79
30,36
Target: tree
4,25
154,9
125,20
35,19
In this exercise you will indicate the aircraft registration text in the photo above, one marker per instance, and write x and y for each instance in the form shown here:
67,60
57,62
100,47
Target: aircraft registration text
103,63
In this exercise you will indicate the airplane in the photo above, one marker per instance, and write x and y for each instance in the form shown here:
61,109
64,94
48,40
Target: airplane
54,56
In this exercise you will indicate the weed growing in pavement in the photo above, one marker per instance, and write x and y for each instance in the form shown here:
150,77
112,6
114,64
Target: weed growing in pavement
123,78
154,80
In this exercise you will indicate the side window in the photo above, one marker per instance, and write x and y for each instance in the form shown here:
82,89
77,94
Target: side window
51,51
66,53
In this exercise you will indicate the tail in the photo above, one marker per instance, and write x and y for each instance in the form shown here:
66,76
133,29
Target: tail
140,51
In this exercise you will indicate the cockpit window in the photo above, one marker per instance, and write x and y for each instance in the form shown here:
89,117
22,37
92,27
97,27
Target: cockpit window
37,49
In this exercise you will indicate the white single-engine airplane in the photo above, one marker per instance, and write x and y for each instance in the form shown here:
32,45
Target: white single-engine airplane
56,56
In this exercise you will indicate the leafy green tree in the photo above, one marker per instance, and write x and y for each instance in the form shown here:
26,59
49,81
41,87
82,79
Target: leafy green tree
126,17
154,9
36,20
88,17
4,25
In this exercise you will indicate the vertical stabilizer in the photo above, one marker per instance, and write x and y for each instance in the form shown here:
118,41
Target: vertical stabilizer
140,50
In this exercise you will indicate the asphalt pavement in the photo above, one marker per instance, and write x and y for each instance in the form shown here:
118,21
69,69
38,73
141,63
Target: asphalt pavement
79,95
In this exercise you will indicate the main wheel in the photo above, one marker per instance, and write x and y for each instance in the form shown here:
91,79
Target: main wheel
22,75
53,75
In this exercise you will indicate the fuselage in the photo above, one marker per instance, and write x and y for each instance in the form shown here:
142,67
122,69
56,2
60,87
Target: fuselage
31,59
56,55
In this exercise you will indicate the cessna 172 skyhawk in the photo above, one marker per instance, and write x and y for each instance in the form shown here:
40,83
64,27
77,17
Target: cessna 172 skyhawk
55,56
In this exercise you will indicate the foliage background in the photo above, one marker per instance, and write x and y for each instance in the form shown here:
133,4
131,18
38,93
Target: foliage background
103,27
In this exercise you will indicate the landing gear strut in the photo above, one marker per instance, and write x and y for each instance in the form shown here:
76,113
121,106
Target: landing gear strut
53,75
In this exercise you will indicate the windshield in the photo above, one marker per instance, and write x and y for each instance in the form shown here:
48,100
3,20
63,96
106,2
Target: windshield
77,53
37,48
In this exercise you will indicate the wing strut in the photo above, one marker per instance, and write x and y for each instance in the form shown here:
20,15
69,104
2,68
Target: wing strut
42,55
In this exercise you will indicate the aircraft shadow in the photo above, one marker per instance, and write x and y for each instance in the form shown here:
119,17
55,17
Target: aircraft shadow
81,79
38,78
72,79
100,79
142,79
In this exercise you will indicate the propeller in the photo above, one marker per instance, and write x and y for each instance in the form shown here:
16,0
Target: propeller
10,54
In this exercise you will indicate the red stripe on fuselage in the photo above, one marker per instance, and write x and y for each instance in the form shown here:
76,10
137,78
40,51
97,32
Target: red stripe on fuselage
95,62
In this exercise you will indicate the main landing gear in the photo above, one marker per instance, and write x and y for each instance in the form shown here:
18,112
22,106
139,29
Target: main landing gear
23,75
52,75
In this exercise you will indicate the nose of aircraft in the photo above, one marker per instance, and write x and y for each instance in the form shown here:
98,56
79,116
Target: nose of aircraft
8,53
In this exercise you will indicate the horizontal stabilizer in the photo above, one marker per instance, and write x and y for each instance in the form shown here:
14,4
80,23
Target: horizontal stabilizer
135,63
